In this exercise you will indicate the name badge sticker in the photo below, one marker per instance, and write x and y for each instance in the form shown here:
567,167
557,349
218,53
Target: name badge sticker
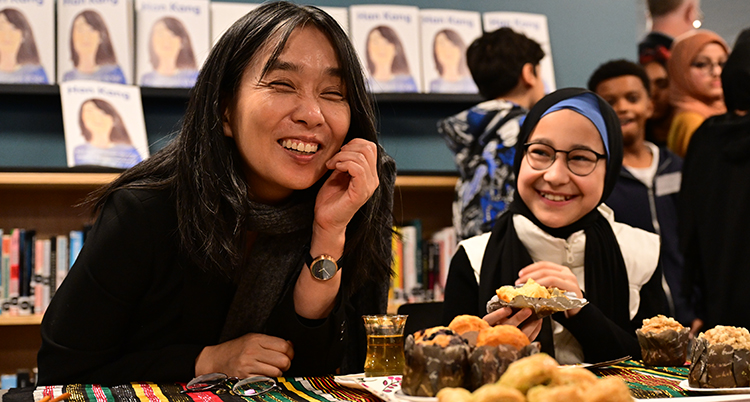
668,184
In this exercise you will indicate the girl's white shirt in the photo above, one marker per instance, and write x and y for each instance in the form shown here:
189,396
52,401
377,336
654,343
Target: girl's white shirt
639,248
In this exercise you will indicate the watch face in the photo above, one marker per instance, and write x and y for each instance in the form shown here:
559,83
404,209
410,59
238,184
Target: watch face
324,269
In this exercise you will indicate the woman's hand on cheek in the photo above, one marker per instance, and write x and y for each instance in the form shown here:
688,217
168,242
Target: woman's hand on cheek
353,181
552,275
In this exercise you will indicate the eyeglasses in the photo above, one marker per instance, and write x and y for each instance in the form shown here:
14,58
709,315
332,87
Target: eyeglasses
250,386
708,67
580,161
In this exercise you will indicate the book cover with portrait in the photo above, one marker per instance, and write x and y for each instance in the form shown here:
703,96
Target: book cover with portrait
224,14
445,36
535,27
95,41
172,41
27,44
386,38
103,124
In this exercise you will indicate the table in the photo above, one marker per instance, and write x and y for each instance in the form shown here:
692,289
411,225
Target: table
646,383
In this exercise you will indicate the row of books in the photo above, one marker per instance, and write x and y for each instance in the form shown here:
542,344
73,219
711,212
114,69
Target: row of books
32,268
163,43
420,265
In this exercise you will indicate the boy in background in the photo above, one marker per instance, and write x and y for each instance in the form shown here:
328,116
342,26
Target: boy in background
505,66
646,193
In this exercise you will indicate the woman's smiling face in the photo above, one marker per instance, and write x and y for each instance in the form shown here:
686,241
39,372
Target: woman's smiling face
289,122
555,195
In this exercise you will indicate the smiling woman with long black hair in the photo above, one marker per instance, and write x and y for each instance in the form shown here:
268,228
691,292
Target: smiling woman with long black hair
256,240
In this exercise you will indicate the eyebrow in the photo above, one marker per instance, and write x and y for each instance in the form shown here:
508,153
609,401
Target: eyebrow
545,141
296,68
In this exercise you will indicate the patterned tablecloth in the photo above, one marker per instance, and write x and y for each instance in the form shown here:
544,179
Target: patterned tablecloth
644,382
299,389
648,382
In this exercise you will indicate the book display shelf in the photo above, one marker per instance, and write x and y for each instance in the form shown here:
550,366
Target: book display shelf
47,199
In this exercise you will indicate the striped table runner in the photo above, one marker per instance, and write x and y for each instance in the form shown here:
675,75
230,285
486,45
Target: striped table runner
297,389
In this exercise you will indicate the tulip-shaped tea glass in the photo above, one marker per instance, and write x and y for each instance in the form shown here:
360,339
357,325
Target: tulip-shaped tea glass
385,345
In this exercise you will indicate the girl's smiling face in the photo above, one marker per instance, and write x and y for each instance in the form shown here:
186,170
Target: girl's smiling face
555,195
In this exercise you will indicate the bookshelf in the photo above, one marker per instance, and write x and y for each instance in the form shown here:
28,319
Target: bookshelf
47,202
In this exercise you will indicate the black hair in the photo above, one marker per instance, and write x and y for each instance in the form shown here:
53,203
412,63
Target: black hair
735,76
496,60
205,170
618,68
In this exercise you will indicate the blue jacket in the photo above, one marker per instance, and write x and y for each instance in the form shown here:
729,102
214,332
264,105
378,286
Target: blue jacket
655,210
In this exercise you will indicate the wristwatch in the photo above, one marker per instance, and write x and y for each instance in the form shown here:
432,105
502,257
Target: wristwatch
323,267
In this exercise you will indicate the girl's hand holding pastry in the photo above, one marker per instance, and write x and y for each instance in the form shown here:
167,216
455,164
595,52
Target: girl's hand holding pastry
505,316
552,275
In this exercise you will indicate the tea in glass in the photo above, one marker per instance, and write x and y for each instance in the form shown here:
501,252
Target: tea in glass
385,345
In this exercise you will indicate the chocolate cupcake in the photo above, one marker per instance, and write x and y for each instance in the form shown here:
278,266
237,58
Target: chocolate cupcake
721,358
435,358
663,341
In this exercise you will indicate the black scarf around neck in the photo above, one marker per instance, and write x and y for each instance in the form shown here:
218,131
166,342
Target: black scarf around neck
606,279
277,254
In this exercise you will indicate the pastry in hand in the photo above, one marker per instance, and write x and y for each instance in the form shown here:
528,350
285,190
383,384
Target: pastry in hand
529,289
540,300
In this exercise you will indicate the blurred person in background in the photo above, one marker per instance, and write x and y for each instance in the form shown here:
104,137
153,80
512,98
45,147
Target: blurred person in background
695,88
714,197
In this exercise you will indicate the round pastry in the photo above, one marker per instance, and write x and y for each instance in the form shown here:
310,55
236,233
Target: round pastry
502,335
580,377
663,341
721,358
455,395
560,393
530,371
465,323
608,389
497,393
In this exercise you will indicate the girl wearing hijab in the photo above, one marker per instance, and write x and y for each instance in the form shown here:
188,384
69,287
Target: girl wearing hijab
695,84
558,232
714,196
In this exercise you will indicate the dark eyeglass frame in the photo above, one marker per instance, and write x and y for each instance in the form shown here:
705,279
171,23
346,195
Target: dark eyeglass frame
251,386
531,162
708,67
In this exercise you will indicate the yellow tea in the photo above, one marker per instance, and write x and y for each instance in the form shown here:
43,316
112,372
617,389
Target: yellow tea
385,355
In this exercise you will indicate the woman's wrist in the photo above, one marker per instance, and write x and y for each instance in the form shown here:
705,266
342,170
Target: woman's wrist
328,242
202,362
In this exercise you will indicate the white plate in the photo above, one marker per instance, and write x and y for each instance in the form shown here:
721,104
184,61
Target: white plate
354,381
740,390
401,395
